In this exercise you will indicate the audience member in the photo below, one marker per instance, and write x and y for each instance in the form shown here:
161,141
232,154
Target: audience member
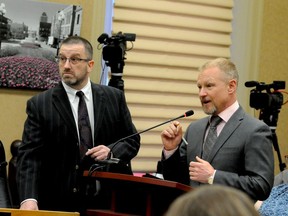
281,178
277,202
213,200
12,167
57,146
5,201
241,156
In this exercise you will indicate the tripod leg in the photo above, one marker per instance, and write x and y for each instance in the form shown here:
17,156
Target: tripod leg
277,149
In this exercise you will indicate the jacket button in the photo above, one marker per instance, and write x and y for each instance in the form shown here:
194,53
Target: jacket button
76,167
74,190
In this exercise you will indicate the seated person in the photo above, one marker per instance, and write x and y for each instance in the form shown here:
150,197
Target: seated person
277,202
4,192
281,178
213,200
12,173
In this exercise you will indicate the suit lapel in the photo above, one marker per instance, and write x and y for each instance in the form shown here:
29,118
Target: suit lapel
99,100
201,135
232,124
61,102
197,138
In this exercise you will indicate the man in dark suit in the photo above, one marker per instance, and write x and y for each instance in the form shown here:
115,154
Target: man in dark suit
49,163
241,156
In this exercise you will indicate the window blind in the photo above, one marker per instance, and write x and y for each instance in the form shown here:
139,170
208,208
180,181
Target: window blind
173,38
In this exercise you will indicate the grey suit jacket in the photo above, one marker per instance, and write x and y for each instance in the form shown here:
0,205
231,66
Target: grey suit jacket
242,155
49,168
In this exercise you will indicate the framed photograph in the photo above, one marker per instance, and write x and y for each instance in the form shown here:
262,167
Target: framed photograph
30,34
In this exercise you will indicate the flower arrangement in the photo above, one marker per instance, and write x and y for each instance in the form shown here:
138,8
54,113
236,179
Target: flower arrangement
28,72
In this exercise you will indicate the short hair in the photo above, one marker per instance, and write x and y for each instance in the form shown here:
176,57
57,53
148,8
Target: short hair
80,40
213,200
225,65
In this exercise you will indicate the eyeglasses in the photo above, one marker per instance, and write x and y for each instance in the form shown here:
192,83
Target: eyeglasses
74,60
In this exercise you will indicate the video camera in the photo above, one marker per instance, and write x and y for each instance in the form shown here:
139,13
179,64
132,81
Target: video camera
269,104
114,55
115,48
269,100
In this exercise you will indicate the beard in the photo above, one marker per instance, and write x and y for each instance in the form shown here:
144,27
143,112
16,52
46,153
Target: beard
73,81
209,110
70,81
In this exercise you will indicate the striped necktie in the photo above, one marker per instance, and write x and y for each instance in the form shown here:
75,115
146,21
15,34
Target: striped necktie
84,126
211,136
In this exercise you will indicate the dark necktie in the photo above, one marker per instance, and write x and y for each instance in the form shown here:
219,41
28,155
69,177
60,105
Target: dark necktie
83,126
211,136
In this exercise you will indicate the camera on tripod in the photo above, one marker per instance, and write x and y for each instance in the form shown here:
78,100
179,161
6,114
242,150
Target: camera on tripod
114,51
269,100
269,104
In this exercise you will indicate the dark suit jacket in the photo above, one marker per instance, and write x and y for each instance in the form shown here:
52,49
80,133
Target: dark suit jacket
242,155
49,169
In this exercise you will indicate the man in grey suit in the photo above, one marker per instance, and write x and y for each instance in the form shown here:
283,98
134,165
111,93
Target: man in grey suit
49,167
241,156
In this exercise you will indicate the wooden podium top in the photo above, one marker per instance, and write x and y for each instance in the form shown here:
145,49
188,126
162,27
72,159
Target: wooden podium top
140,180
18,212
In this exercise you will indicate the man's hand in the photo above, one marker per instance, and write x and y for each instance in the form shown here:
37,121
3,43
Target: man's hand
29,205
99,152
171,136
200,170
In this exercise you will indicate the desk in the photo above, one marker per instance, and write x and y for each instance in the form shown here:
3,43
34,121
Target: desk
18,212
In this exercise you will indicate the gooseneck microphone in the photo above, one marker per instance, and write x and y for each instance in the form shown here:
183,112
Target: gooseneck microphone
110,160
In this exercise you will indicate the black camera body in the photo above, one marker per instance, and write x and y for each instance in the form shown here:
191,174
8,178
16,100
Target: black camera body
115,46
269,100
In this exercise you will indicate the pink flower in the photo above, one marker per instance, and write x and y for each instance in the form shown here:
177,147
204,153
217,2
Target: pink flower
28,72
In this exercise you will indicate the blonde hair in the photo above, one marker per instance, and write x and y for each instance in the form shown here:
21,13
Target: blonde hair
213,200
225,65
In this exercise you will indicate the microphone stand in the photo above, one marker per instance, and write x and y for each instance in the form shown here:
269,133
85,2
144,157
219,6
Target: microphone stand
111,161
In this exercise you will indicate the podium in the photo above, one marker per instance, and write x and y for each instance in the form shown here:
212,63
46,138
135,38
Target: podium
121,194
18,212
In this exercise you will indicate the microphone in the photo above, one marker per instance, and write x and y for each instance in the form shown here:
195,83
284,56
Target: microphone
109,163
115,160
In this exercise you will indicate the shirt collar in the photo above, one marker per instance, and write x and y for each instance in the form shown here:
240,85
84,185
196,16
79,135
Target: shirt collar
227,113
72,92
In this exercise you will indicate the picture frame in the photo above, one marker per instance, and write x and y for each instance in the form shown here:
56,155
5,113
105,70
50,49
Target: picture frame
30,39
